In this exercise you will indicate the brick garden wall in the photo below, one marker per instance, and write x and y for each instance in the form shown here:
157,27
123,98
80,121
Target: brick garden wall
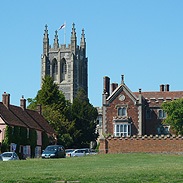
153,144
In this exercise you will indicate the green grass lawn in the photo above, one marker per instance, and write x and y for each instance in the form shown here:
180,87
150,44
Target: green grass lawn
109,168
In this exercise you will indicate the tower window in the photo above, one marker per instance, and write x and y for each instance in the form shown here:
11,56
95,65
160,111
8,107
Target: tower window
54,69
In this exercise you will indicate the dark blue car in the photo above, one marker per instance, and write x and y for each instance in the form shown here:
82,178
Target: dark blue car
54,151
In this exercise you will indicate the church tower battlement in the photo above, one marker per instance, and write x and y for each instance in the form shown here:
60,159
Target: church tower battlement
67,65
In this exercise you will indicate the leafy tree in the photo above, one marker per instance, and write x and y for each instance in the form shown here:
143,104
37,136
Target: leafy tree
174,110
50,94
85,120
55,109
63,127
75,124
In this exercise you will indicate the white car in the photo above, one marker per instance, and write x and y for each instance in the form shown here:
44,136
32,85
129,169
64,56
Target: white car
77,153
6,156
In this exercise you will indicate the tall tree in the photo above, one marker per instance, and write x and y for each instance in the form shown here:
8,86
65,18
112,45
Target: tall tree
50,94
55,109
85,120
174,110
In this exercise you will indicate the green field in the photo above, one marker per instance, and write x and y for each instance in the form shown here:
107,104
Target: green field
110,168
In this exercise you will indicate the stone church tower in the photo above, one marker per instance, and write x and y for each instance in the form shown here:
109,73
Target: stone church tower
67,65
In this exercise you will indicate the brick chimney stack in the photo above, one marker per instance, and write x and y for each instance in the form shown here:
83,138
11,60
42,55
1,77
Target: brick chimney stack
106,81
167,87
6,99
162,87
23,103
113,86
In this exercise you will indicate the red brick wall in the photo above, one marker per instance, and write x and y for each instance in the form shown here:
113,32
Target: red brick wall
153,144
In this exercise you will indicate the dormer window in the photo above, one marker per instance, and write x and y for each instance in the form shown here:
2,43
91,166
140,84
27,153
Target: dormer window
122,111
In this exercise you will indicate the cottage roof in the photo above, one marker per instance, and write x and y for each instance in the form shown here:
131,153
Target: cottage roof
23,116
41,121
9,117
16,116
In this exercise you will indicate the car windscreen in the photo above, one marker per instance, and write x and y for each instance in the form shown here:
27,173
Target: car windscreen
49,148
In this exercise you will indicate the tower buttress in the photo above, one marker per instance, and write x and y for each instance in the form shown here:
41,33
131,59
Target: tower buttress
83,42
56,43
73,39
46,41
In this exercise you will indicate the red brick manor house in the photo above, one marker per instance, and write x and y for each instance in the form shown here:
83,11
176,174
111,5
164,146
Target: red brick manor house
134,115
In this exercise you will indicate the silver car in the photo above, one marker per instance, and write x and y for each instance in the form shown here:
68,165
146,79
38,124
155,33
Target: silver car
77,153
6,156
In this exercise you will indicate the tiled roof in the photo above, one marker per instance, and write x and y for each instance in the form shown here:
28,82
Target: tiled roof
41,121
161,95
9,117
23,116
16,116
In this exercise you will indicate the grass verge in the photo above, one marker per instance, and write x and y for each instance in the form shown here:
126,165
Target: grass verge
113,168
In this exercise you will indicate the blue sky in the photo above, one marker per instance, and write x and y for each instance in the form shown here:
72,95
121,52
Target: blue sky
141,39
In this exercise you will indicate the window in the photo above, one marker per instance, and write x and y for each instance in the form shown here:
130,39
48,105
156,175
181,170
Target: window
122,111
122,130
161,114
63,69
163,130
54,69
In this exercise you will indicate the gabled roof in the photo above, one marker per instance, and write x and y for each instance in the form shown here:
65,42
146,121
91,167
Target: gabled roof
41,121
23,116
16,116
9,117
118,90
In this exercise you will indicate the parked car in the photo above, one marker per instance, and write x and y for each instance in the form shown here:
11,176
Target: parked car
77,153
54,151
1,159
68,151
6,156
93,152
89,151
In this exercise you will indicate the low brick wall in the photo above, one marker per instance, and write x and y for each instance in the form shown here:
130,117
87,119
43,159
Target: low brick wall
153,144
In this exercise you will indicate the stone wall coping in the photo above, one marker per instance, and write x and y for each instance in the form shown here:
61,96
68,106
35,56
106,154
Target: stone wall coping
145,137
